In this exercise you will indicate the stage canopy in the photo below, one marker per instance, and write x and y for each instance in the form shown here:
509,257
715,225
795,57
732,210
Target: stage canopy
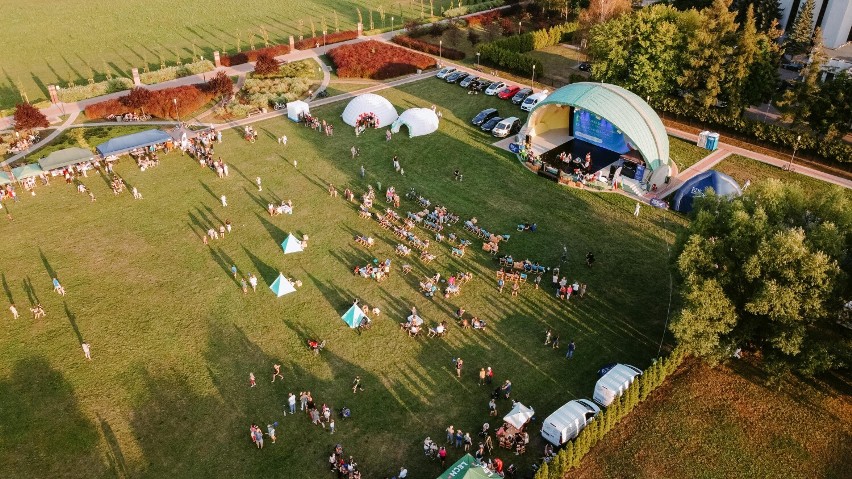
4,178
26,171
66,157
722,185
628,120
297,108
291,244
370,103
420,121
282,286
519,415
466,468
353,316
125,143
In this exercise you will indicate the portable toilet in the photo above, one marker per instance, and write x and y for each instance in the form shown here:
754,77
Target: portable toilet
566,422
612,384
702,139
712,141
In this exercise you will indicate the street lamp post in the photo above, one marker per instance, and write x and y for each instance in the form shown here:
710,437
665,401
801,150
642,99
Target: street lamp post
793,157
440,49
532,82
391,23
177,112
477,60
519,27
323,37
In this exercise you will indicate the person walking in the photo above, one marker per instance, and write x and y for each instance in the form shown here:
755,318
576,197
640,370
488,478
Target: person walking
257,182
224,200
636,209
356,385
276,372
234,270
547,335
489,375
270,431
481,376
14,311
252,382
244,285
331,425
291,402
58,287
459,364
451,433
363,171
571,348
253,282
87,350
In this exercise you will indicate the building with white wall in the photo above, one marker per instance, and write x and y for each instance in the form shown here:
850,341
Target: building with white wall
833,16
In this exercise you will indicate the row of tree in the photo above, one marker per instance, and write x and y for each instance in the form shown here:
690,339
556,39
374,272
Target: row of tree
509,52
573,452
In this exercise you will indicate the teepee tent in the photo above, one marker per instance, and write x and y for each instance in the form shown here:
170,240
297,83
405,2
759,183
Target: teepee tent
519,415
353,316
291,244
282,286
370,103
297,108
420,121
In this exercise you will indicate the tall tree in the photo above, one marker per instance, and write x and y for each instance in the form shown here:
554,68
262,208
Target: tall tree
831,112
600,11
763,79
803,26
764,272
765,12
742,60
798,103
28,117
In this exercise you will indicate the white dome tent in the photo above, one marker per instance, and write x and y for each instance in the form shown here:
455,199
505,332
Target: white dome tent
371,108
420,121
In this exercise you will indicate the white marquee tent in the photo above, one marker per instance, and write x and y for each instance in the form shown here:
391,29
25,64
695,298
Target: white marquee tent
519,415
297,108
370,103
420,121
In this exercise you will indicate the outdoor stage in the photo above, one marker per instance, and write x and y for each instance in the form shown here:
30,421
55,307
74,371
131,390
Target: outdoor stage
549,145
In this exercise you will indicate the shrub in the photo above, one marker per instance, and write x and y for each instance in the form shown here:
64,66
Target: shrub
429,48
377,60
266,65
28,117
159,103
266,91
177,71
484,18
220,85
509,52
234,110
337,37
252,55
83,92
466,9
299,69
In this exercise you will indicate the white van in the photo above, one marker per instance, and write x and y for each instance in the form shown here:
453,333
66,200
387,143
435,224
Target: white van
614,383
567,422
531,101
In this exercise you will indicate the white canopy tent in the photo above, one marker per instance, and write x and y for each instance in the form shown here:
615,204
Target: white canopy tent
519,415
291,244
370,103
297,108
420,121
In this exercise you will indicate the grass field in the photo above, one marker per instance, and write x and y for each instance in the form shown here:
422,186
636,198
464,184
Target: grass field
743,169
685,153
174,339
57,41
725,422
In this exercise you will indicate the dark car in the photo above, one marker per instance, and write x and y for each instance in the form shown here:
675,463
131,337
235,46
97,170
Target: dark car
491,123
793,66
479,84
455,76
484,116
468,80
585,67
521,95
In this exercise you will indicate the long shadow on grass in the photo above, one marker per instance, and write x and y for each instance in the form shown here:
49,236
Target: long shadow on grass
276,233
72,319
209,190
114,455
30,290
267,273
257,200
50,271
6,289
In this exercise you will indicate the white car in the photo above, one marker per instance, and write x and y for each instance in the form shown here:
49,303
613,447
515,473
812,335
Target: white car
495,88
508,126
531,101
444,72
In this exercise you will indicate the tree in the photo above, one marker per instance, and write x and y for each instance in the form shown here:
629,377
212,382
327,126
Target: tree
221,85
742,60
600,11
831,107
266,65
137,99
762,82
543,472
28,117
803,26
797,104
765,12
764,272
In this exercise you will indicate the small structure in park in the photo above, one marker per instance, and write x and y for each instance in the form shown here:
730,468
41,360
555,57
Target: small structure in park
420,121
720,183
282,286
123,144
354,316
291,244
519,416
297,110
369,111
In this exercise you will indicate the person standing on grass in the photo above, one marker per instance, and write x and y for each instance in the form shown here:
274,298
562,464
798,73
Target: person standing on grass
14,311
257,182
571,348
489,375
442,454
492,407
363,171
303,400
354,151
500,285
331,425
636,209
276,373
481,376
219,136
252,382
258,436
228,226
291,401
451,433
555,343
87,350
590,259
234,270
506,389
253,282
244,285
548,334
396,164
467,442
224,200
388,135
459,364
356,385
459,438
582,290
270,431
58,287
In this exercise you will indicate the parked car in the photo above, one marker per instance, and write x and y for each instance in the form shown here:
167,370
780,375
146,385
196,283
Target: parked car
468,80
484,116
508,92
479,84
443,72
509,126
455,76
793,66
612,384
491,123
521,95
531,101
585,67
566,422
494,88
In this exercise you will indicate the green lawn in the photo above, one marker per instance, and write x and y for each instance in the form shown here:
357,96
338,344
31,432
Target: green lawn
174,339
338,87
743,169
685,153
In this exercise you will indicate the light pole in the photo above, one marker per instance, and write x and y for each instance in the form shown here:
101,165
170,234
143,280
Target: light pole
177,112
323,37
795,147
519,27
477,60
440,49
391,23
532,82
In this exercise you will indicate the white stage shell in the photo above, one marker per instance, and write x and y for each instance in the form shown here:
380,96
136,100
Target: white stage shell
420,121
370,103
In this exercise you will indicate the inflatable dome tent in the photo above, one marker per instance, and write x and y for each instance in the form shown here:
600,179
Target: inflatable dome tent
420,121
722,185
369,108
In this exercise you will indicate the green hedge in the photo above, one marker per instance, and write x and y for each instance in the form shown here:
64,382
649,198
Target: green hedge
573,452
177,71
83,92
508,53
477,7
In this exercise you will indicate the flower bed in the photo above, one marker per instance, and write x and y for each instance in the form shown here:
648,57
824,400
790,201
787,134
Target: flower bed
427,47
377,60
160,103
251,55
337,37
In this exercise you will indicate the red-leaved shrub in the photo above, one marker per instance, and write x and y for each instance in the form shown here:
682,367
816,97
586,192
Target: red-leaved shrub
252,55
377,60
312,42
429,48
160,103
483,18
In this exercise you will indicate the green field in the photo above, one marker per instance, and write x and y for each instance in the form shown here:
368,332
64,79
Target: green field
174,339
685,153
52,41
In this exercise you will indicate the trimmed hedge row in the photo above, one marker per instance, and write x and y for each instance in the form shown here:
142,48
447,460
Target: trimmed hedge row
478,7
159,104
377,60
509,52
83,92
337,37
177,71
573,452
429,48
251,55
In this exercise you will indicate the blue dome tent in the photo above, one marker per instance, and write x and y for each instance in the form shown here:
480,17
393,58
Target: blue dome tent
722,185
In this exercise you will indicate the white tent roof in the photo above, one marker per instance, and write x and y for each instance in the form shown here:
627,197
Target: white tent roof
282,286
370,103
291,244
519,415
420,121
296,108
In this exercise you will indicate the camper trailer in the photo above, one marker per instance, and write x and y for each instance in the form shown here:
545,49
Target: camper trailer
614,383
567,422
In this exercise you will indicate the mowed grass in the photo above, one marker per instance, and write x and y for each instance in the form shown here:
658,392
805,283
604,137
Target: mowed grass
60,41
725,422
685,153
174,339
745,169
